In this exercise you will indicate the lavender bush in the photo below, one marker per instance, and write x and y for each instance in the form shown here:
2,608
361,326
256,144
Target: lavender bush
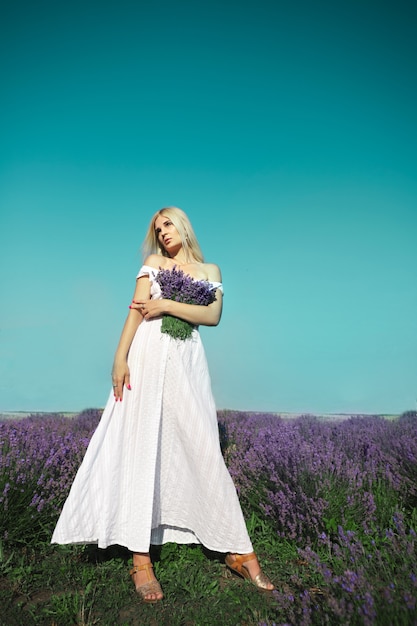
345,493
342,494
366,576
39,457
311,476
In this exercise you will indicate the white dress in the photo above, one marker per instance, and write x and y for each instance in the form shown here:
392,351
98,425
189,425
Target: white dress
153,471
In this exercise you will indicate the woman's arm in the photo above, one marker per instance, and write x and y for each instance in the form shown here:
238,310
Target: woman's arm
120,371
194,313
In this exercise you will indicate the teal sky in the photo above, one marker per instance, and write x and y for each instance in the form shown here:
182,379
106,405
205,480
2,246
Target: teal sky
287,132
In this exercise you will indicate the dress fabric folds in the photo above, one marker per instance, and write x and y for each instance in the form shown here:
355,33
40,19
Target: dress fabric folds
153,471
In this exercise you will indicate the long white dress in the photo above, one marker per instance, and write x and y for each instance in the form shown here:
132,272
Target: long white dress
153,471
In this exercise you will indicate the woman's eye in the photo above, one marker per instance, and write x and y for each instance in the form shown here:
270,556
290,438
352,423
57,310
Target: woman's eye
157,231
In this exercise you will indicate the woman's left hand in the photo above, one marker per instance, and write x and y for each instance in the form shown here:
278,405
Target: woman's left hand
149,308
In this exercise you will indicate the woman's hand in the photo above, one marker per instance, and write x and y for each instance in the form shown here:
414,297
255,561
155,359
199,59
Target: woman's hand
150,308
121,378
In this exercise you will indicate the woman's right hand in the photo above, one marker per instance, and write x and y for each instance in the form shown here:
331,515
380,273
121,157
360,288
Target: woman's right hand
120,379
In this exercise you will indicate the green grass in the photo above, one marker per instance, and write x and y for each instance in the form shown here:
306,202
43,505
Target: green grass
59,585
82,585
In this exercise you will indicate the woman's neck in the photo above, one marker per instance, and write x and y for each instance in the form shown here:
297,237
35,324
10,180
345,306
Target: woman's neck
179,259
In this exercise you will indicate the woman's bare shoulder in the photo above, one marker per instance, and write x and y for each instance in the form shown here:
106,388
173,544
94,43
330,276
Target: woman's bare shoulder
155,260
213,272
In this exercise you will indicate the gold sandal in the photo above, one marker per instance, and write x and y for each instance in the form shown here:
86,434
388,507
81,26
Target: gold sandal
236,563
152,586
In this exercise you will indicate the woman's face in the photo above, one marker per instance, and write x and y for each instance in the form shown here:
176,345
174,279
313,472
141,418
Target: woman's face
167,234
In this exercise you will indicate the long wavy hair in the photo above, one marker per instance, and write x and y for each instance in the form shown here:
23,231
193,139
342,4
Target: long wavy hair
190,245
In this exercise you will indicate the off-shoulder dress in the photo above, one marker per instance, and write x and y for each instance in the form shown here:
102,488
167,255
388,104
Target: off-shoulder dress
153,471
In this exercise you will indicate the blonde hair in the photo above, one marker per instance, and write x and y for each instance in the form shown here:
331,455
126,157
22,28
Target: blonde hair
181,222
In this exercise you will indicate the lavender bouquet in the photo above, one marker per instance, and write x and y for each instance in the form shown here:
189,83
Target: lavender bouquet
175,285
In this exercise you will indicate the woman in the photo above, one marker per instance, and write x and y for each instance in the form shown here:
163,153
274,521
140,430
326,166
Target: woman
153,471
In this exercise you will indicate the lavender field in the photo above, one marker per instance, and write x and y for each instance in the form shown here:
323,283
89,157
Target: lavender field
331,507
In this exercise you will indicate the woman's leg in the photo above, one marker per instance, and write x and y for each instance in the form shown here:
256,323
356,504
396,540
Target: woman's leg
144,578
247,565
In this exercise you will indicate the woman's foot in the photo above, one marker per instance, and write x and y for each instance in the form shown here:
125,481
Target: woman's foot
247,566
144,579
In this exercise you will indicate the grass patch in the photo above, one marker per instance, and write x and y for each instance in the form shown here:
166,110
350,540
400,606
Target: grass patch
84,585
